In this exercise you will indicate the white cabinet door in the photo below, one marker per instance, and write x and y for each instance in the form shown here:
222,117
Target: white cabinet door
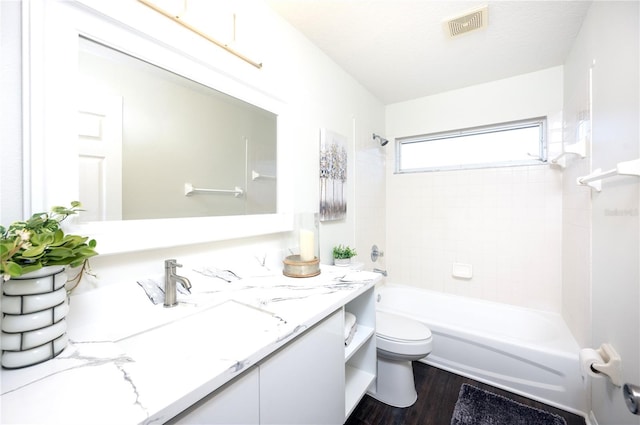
304,382
238,402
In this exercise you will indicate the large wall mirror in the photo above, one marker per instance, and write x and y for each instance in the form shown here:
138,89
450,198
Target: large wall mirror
178,119
154,144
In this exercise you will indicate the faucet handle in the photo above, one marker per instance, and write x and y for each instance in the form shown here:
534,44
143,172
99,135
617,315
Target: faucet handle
376,253
171,263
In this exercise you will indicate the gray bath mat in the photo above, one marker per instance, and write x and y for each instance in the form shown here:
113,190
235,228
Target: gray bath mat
476,406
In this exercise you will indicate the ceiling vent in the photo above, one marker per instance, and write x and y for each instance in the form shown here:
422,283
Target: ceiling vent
472,20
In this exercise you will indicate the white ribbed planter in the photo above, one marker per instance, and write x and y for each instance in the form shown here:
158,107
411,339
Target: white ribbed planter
342,262
34,307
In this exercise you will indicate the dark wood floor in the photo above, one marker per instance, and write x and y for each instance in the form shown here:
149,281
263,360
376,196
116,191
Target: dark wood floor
437,395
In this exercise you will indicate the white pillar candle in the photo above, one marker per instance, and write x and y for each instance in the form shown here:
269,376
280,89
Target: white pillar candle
306,245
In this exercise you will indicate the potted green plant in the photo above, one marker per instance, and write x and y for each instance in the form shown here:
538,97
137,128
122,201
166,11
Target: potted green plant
33,257
342,255
27,246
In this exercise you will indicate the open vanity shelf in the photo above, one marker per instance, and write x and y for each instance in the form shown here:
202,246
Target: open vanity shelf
360,354
362,336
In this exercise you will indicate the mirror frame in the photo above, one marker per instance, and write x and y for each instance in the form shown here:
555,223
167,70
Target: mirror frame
49,105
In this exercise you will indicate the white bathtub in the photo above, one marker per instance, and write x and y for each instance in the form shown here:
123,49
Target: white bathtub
528,352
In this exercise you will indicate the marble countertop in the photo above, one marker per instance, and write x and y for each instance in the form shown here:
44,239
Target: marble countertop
125,363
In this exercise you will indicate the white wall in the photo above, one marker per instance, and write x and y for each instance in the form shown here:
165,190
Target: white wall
576,200
607,222
505,222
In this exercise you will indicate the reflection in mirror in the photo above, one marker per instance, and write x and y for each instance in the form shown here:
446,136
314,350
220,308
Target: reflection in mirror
146,133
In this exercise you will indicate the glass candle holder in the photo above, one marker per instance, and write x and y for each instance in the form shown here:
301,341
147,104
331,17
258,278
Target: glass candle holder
307,235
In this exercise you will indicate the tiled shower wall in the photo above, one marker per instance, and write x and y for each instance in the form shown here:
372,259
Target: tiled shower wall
504,222
370,202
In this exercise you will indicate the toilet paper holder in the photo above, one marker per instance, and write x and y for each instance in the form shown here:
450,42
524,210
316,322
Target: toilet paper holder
611,365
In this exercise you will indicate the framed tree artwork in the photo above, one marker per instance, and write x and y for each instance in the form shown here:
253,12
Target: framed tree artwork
333,176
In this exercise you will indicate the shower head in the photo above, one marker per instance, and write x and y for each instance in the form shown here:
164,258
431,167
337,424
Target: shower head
381,139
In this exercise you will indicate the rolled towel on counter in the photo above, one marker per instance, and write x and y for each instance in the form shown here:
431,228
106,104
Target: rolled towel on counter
153,289
350,326
359,276
226,275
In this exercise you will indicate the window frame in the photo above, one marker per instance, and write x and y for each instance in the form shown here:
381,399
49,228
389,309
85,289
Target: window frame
537,158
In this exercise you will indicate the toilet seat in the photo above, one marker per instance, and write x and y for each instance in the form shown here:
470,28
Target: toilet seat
399,337
400,329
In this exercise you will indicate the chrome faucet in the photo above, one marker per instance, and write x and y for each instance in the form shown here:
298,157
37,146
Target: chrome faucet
170,279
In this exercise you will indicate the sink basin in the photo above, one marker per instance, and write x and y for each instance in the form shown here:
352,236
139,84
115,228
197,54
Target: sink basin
230,331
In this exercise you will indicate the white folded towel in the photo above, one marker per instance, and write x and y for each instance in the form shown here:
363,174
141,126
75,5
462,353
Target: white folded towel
349,327
350,337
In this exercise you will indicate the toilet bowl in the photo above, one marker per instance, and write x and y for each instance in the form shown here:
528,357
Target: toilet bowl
399,342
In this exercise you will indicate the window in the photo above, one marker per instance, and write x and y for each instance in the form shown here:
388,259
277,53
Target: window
498,145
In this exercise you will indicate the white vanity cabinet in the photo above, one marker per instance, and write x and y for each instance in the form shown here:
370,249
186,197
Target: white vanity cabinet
360,354
302,383
236,403
314,379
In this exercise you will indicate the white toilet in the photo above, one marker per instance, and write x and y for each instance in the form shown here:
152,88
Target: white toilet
400,341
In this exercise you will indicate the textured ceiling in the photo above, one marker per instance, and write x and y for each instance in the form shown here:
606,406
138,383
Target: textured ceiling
399,50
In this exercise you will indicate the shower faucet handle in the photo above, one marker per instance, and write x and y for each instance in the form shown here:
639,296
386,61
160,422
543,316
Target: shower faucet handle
376,253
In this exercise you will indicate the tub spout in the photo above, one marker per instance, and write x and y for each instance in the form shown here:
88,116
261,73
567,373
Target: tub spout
382,272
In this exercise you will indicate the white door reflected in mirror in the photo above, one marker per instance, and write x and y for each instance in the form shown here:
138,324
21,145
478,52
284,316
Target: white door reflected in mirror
100,157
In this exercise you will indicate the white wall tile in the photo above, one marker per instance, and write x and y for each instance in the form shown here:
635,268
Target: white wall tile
504,221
